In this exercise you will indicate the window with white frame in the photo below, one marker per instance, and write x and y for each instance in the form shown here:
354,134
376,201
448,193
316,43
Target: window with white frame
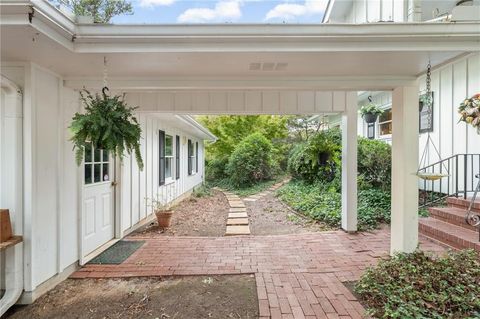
192,161
168,157
96,166
385,123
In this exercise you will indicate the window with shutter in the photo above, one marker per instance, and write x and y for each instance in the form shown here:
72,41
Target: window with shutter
190,157
177,157
161,157
196,157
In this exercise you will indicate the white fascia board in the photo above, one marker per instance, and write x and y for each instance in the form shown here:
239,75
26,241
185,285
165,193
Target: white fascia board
192,122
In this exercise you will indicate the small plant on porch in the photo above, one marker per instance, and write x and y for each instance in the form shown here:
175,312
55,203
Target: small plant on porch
109,124
162,211
470,111
370,112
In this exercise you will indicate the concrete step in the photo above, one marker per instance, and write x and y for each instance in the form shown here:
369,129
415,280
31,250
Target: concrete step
452,215
449,234
237,210
237,221
238,215
237,230
236,204
460,202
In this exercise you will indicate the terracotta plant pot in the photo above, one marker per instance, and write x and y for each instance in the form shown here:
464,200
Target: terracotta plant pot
370,117
164,218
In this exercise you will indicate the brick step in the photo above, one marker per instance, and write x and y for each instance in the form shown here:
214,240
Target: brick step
463,203
452,215
449,234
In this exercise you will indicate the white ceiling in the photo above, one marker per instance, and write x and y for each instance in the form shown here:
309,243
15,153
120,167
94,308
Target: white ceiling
22,43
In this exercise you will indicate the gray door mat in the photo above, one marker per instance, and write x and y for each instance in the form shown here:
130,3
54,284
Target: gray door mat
118,253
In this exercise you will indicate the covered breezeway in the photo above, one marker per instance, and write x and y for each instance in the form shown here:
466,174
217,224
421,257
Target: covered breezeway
210,69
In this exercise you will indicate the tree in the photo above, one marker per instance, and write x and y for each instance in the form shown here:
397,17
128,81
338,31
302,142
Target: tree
102,11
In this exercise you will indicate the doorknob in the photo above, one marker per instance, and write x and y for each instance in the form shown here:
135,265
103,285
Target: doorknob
114,184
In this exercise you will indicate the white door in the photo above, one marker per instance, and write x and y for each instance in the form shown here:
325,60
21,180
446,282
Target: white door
98,200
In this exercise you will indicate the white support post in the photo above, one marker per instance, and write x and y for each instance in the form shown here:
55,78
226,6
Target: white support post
404,224
349,163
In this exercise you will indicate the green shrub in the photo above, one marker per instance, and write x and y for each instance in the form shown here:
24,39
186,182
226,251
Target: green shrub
315,159
374,163
418,286
251,161
216,169
202,191
323,202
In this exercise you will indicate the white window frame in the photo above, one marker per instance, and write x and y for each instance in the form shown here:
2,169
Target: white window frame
170,158
387,109
193,158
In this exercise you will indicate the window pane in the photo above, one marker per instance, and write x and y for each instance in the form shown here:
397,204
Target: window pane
97,156
88,154
97,173
168,167
386,116
105,156
105,172
88,173
168,145
386,128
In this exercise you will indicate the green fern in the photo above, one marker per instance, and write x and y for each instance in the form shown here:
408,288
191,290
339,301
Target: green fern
109,124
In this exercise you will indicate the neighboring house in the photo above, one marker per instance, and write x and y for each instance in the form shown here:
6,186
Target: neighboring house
67,214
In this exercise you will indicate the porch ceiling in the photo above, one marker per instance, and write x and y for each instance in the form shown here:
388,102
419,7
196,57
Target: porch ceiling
255,54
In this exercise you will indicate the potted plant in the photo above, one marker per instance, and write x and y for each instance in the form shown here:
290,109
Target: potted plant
370,112
109,124
469,110
162,212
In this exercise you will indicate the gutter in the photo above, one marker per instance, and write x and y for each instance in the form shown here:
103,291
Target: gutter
190,120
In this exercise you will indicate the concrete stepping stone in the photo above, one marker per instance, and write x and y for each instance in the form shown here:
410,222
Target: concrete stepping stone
237,209
250,200
238,215
237,221
237,204
237,230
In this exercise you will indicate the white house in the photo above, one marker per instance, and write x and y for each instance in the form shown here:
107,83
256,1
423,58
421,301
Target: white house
171,72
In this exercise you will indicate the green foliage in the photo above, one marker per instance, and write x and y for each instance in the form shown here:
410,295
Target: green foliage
108,123
370,108
315,159
419,286
231,130
375,163
322,202
102,11
202,191
251,161
250,190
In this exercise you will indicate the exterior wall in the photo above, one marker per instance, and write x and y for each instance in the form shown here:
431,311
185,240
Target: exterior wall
368,11
137,186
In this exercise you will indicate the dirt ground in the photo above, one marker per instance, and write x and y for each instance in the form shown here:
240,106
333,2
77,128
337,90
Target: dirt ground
270,216
205,216
198,297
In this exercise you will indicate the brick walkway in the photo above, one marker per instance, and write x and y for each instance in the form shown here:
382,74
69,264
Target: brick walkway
298,275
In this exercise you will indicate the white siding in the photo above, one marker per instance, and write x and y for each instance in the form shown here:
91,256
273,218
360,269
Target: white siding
146,185
368,11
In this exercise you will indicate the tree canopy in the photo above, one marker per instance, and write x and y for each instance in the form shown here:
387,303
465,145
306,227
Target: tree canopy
102,11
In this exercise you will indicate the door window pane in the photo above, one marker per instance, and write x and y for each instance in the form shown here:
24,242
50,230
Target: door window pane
105,156
97,173
105,172
88,154
88,173
97,155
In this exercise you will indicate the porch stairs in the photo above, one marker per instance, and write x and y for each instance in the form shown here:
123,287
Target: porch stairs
447,225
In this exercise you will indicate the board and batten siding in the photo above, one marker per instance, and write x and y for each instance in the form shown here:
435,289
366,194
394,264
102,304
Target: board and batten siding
137,186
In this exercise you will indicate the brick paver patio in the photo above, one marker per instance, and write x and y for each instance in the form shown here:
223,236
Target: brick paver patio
298,275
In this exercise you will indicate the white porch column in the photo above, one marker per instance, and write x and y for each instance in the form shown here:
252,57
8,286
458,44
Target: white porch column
349,163
404,225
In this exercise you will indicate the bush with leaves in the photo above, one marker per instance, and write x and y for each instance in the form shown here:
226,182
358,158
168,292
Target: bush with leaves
375,163
216,169
417,285
251,161
315,159
109,124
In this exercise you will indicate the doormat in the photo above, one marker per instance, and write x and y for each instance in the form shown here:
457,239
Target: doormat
118,253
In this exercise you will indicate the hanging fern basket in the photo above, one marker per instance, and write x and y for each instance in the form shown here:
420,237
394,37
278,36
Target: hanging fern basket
108,123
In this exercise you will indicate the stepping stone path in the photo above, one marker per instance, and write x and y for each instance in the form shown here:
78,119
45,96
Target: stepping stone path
253,198
237,222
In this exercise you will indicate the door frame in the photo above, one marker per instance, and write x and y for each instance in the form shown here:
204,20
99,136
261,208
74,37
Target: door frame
117,218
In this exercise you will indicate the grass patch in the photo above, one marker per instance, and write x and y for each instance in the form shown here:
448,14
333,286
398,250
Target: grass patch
322,202
418,285
203,190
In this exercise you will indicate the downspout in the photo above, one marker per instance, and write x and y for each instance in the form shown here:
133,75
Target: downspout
14,254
